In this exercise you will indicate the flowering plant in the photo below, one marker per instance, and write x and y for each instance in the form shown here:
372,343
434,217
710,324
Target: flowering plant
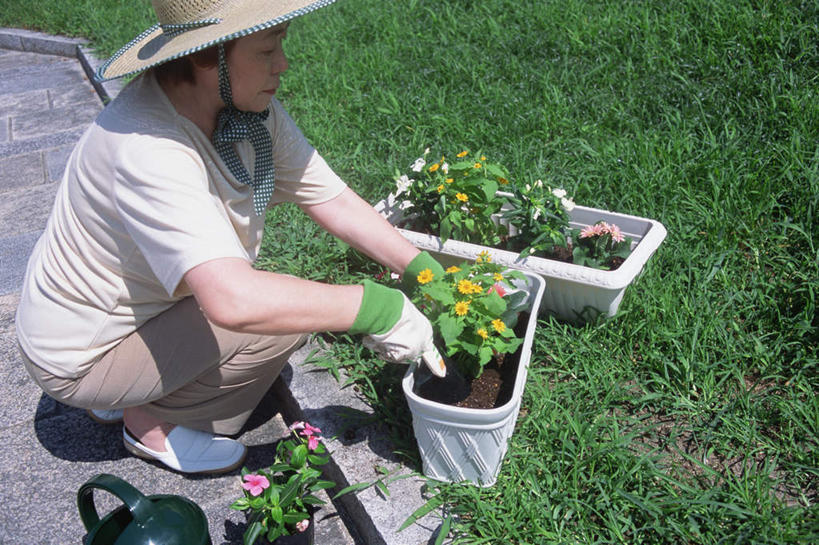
600,245
278,498
457,199
473,310
540,218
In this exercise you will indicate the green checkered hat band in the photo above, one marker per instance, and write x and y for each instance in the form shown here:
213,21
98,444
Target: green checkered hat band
234,125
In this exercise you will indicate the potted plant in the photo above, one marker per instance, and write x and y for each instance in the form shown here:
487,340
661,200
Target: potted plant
537,231
279,500
479,311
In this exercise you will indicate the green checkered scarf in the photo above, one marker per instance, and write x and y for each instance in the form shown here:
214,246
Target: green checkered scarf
234,125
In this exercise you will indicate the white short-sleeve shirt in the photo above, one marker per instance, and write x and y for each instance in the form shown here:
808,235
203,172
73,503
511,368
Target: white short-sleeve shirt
145,197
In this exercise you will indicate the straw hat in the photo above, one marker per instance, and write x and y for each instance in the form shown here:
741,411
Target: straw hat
187,26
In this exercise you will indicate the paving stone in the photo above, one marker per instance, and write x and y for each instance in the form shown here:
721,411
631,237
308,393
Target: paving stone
19,171
50,45
61,73
55,161
26,211
45,142
23,103
85,94
4,129
14,252
36,124
13,59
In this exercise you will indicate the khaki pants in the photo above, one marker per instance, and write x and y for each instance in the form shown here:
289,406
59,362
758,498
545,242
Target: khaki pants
182,369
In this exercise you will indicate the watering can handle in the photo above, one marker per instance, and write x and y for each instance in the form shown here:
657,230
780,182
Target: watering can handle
137,503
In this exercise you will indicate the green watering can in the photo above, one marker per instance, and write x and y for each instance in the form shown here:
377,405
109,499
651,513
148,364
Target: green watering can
143,520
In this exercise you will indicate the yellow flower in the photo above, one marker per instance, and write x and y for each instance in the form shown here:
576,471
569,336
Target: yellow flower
440,188
502,181
498,277
465,287
425,276
483,157
462,154
477,288
453,269
461,197
449,180
461,308
484,257
434,167
483,333
477,165
498,324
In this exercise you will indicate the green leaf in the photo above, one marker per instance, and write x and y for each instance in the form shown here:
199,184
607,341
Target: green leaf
357,487
276,514
494,303
489,189
444,531
299,457
433,503
290,490
252,533
321,485
449,328
240,505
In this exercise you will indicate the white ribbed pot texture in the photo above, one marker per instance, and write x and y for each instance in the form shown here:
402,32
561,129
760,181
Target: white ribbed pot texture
461,444
573,293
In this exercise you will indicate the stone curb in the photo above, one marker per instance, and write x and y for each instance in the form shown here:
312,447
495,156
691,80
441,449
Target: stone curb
47,44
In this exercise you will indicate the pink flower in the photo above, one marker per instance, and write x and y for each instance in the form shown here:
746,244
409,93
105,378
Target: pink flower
255,484
309,430
312,442
296,426
498,287
590,231
302,525
616,234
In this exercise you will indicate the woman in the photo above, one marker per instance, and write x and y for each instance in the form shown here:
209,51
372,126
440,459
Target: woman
140,295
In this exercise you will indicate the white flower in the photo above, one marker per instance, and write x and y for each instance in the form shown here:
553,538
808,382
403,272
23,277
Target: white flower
302,525
536,214
559,193
403,183
426,151
528,187
538,183
568,204
445,168
418,165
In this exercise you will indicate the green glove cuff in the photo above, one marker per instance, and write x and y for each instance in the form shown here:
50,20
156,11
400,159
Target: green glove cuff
380,309
420,262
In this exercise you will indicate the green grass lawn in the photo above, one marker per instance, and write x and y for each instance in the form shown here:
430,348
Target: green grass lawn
690,417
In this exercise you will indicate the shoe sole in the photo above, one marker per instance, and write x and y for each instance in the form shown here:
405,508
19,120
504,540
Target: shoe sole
145,456
99,420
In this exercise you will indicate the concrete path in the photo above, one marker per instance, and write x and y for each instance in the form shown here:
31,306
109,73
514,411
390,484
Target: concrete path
48,450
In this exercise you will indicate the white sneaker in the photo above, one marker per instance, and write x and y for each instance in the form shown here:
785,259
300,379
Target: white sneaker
105,416
191,451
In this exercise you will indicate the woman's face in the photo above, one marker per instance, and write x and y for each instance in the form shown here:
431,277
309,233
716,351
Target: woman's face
255,63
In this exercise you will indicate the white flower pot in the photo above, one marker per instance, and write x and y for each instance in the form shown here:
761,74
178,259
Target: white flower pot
573,293
460,444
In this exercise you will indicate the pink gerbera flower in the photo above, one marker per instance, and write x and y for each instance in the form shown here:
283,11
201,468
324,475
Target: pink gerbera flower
255,484
616,234
590,231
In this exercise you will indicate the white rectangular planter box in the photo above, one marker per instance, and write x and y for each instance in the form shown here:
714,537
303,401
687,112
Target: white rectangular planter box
460,444
573,293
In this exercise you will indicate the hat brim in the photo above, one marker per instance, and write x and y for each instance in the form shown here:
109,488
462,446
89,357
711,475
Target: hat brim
154,46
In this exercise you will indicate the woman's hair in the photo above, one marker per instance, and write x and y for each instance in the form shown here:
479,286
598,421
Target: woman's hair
180,70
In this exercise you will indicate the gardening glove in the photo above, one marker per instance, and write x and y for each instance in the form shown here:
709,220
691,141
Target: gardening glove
419,263
394,328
